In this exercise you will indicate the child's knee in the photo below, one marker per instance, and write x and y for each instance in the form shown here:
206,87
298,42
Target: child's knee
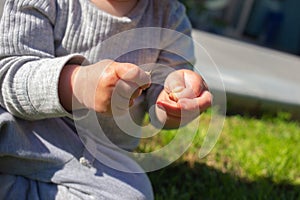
132,186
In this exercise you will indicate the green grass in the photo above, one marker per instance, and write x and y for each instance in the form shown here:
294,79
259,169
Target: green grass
253,159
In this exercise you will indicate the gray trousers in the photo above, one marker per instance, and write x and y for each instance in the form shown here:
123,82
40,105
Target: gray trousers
43,160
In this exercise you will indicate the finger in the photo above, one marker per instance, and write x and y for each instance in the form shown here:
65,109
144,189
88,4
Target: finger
177,114
183,84
194,81
120,104
132,73
170,108
128,89
178,111
184,93
189,92
175,82
136,93
201,103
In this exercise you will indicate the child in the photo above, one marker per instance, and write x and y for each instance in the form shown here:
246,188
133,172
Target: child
43,47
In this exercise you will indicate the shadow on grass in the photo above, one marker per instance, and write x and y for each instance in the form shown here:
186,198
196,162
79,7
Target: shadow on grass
181,181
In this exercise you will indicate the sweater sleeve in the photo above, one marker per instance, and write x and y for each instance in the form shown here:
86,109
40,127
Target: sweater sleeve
29,70
177,48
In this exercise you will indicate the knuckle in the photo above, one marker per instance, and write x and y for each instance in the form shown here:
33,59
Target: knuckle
108,77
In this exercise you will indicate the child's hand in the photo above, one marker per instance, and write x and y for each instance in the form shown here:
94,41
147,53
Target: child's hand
108,85
184,97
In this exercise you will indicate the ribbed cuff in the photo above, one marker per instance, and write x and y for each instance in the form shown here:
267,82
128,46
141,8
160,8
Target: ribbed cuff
38,81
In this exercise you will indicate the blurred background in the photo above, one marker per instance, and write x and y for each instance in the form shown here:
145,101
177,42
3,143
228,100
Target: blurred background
256,46
270,23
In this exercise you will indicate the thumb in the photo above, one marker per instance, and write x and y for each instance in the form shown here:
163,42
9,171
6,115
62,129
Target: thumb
132,73
187,92
177,88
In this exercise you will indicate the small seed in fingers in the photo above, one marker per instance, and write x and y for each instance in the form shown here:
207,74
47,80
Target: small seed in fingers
172,94
149,72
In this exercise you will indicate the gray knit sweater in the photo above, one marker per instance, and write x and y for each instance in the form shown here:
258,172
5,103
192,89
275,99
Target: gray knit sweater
37,39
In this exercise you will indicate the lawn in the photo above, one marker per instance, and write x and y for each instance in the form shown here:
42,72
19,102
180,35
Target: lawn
253,159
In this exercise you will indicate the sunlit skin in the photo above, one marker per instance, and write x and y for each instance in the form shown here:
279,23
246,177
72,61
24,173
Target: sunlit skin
117,8
93,86
184,97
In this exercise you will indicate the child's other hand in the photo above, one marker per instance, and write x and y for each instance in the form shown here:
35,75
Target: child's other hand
184,97
109,85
